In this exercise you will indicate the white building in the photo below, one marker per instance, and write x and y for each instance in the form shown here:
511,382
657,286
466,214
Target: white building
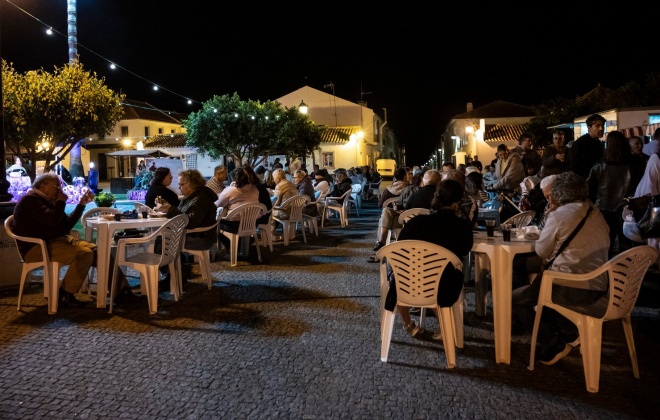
354,135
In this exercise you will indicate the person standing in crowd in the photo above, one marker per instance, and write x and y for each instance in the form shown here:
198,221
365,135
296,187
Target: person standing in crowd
152,168
230,168
636,148
217,181
160,188
509,169
586,252
444,228
555,159
609,181
489,178
587,149
653,146
530,159
40,213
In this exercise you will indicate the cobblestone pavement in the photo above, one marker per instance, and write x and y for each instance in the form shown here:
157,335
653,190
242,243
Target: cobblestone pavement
297,337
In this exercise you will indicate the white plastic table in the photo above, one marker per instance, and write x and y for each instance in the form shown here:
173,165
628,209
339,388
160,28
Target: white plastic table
501,255
104,237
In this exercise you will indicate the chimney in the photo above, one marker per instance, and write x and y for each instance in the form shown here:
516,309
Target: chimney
469,107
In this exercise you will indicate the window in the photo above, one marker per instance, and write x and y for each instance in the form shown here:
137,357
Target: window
328,159
172,131
146,131
160,130
191,161
124,131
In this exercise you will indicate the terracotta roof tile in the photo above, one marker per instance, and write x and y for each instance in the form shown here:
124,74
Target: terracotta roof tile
166,140
338,134
498,133
134,110
498,109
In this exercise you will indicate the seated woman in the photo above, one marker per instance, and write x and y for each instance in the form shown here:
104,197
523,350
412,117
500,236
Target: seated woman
198,205
304,185
321,184
587,251
241,191
284,189
160,188
264,195
443,228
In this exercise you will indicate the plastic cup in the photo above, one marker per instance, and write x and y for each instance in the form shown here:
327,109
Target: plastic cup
490,227
117,217
145,214
506,232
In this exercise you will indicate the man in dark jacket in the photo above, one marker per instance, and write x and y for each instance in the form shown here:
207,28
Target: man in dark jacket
587,149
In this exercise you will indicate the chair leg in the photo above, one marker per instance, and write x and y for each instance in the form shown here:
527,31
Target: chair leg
24,277
591,330
303,230
285,232
448,340
54,286
151,278
386,334
256,244
627,329
233,255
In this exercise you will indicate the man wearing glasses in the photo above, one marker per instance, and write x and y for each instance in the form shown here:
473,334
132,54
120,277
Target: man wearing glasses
40,214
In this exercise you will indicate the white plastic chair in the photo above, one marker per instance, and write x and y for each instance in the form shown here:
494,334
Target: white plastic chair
339,205
312,223
265,232
354,199
522,219
403,218
202,257
248,214
148,262
390,202
418,267
51,269
626,273
295,205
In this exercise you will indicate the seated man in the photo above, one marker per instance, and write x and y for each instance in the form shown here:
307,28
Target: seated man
217,181
40,214
587,251
421,199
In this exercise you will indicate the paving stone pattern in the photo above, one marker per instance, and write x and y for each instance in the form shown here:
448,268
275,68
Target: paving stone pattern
297,337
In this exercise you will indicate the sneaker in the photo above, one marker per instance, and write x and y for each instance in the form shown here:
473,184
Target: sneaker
411,328
554,353
66,299
378,246
437,336
372,259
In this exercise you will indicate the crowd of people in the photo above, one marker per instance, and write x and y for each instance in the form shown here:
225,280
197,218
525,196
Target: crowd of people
576,187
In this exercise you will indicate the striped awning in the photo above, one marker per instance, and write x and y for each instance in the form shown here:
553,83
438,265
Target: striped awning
640,130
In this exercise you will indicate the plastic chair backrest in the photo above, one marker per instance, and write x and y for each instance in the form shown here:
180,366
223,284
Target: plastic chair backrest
410,213
390,202
418,267
522,219
248,215
9,229
297,205
357,188
172,233
93,212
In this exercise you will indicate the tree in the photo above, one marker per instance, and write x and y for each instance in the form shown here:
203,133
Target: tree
248,131
47,114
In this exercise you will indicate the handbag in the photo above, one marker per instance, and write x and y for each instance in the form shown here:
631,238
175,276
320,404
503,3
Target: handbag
638,205
649,225
562,247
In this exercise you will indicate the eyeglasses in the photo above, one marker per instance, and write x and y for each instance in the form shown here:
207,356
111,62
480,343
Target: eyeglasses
57,187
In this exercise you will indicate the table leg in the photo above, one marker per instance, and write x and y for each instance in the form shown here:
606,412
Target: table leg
102,264
481,264
501,288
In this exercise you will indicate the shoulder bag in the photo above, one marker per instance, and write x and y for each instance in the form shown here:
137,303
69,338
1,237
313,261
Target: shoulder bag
649,225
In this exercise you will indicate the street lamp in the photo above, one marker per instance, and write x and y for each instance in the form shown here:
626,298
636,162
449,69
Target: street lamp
303,107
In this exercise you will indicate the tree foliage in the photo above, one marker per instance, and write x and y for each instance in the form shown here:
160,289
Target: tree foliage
562,110
249,131
59,108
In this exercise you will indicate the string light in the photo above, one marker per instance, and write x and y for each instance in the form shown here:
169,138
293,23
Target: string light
113,65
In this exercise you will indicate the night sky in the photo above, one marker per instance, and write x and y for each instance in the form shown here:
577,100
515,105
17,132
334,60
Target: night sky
423,62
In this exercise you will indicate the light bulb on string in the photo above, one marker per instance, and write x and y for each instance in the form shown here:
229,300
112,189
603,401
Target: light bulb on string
155,87
112,66
49,31
189,102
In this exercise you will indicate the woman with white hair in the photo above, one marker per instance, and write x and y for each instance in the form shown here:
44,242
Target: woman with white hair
284,189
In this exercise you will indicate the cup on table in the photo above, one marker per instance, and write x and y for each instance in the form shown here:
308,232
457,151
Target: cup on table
117,217
145,214
490,227
506,232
